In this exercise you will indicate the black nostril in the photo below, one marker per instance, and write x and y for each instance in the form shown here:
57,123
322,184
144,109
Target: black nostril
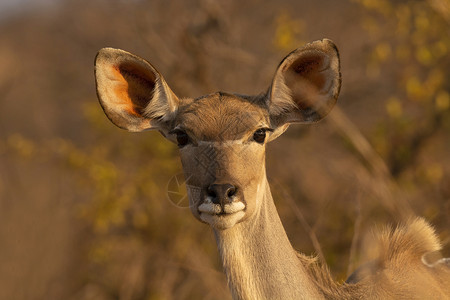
221,193
230,191
212,190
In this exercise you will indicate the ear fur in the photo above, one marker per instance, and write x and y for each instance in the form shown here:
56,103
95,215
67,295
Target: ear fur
132,93
306,85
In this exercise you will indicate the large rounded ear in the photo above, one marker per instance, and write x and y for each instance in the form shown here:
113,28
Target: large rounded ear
132,92
306,84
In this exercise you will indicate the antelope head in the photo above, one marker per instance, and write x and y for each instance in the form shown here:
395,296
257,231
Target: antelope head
221,136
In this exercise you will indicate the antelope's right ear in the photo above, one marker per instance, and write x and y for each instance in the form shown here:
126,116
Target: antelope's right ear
132,93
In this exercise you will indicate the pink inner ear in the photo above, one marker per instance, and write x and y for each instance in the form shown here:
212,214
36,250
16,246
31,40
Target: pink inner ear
310,66
136,86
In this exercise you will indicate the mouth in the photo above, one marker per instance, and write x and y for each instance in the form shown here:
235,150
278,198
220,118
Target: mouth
221,217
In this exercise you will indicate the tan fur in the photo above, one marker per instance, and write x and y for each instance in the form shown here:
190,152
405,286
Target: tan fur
415,240
221,116
220,147
397,270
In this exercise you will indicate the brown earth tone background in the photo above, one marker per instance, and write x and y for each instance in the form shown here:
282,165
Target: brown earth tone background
84,211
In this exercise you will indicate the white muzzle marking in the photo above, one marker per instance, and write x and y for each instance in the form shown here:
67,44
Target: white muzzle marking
213,214
208,207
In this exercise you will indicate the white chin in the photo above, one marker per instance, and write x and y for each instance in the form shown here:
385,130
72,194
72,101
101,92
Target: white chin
223,221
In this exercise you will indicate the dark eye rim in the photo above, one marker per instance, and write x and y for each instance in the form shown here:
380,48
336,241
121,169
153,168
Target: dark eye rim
182,137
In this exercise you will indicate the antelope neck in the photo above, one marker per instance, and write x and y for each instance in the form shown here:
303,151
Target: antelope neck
258,259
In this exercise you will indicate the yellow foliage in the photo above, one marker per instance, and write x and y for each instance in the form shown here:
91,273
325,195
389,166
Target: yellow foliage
422,22
381,6
103,171
93,114
21,145
443,101
288,32
416,34
414,88
424,56
394,107
440,48
76,159
383,51
434,172
99,253
403,14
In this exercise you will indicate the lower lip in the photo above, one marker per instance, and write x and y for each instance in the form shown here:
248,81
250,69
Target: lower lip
222,221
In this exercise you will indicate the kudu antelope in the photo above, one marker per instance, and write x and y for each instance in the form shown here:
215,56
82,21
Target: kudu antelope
221,139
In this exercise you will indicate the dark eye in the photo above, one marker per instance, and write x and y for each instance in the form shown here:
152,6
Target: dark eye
182,137
260,135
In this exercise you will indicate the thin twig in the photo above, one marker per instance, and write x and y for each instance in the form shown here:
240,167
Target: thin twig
356,234
299,215
381,182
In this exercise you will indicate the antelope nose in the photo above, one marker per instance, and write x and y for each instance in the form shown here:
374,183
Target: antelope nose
221,193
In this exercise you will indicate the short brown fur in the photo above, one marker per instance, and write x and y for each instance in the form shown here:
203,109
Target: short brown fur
220,145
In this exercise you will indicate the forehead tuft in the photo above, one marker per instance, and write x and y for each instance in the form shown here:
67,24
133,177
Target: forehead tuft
221,116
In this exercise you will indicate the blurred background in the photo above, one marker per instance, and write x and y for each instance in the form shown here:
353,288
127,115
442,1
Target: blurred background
84,206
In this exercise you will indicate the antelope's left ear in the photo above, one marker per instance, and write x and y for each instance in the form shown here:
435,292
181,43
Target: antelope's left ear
306,84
